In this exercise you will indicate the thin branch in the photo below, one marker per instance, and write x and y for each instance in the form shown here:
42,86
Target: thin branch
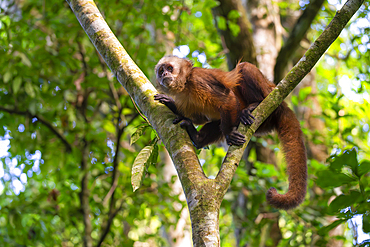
120,131
114,93
298,32
85,195
43,121
110,82
81,51
291,80
110,195
111,192
115,164
109,223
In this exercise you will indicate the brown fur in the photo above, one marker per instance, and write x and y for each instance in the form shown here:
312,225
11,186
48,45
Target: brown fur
219,99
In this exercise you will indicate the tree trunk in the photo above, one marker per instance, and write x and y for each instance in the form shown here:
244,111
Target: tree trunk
180,235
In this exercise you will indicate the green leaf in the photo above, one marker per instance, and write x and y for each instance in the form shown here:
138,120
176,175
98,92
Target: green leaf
32,107
366,222
154,155
304,92
363,168
138,133
25,59
365,243
323,231
234,28
328,178
29,89
348,158
344,201
17,82
109,126
265,170
233,14
7,76
137,171
221,23
153,134
294,100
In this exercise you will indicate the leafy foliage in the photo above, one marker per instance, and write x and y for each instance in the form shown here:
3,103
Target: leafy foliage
66,120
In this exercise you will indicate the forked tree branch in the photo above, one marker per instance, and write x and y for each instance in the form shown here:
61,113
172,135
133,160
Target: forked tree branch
203,195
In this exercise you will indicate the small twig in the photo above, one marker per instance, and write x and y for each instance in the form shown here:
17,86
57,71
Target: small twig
112,213
115,163
138,110
111,216
84,196
80,47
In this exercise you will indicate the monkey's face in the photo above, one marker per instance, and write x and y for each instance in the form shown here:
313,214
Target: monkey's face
171,74
166,75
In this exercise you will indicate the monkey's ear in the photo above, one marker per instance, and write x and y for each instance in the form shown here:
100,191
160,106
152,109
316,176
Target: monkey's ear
189,61
186,66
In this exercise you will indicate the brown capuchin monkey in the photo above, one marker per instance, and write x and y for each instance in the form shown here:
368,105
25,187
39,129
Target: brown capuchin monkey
220,101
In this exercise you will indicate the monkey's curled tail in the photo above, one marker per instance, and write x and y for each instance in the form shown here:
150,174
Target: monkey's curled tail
291,136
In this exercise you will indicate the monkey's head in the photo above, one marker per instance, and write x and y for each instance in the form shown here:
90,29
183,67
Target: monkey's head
171,73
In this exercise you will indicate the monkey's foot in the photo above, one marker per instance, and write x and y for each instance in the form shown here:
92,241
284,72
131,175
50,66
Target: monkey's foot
246,117
235,138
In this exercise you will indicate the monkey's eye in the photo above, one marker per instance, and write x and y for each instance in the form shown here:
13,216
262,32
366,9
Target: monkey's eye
170,69
160,72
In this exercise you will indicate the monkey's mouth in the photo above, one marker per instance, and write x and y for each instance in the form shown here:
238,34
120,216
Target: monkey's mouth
167,81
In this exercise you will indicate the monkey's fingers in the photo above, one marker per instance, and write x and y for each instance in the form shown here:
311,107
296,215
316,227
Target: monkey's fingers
235,138
162,98
246,117
178,119
157,96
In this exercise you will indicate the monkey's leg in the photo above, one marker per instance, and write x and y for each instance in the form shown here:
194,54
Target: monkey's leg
208,134
229,123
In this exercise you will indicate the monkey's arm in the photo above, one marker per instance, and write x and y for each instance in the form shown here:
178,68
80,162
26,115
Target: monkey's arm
170,103
167,101
215,130
209,133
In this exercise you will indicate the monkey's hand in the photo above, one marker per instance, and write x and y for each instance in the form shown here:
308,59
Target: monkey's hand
235,138
246,116
167,101
179,119
185,122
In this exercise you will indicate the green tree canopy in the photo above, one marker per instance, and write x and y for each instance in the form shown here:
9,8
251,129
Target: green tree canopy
70,133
